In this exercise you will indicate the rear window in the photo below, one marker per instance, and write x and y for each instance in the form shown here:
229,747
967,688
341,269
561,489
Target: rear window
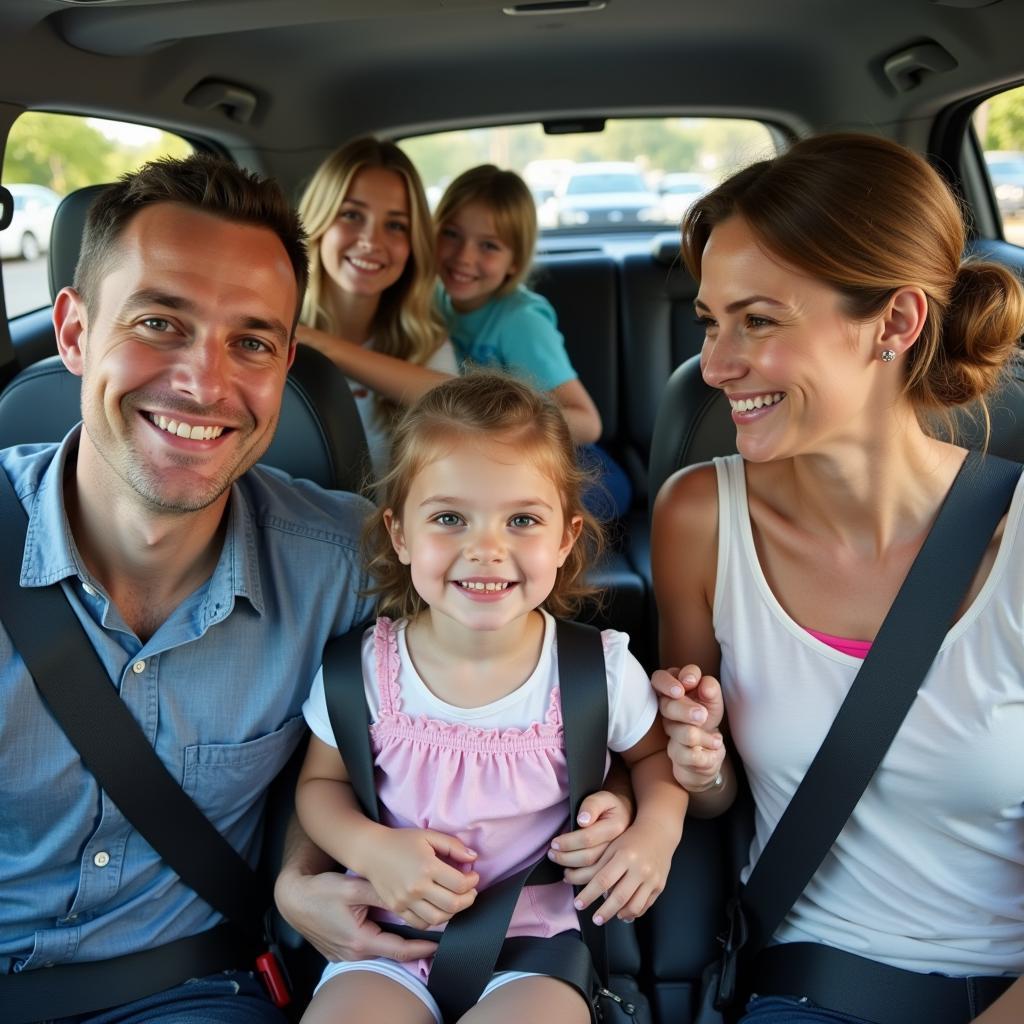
46,157
635,174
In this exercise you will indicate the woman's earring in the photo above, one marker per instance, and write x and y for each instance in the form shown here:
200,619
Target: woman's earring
888,355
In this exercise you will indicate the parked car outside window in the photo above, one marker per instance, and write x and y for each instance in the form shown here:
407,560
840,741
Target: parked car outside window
1006,169
28,235
679,191
606,194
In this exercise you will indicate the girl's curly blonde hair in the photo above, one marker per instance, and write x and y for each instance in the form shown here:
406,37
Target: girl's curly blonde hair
482,404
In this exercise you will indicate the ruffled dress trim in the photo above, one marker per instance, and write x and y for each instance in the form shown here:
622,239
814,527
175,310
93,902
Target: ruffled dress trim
394,724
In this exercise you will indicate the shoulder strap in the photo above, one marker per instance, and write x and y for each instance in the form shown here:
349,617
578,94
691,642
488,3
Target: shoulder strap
349,715
472,940
85,702
882,693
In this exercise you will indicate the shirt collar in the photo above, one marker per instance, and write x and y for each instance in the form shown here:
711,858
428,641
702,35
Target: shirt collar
51,555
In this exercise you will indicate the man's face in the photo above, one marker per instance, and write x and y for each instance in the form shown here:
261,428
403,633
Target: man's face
183,355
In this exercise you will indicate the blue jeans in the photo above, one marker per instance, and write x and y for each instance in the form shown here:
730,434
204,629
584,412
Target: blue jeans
789,1010
234,997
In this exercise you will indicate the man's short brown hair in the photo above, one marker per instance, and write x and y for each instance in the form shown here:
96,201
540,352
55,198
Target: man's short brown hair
203,182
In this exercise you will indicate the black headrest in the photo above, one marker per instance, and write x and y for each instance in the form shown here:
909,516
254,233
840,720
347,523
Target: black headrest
665,248
66,236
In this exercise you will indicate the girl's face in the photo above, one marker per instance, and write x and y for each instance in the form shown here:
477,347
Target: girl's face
472,260
483,533
800,375
366,249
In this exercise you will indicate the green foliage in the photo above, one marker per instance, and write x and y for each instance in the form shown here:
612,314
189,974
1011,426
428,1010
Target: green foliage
66,153
1005,121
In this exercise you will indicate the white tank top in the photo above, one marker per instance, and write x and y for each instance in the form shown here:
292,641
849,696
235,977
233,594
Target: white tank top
928,873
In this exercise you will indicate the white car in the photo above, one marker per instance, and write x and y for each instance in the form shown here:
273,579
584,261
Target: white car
27,237
679,191
607,194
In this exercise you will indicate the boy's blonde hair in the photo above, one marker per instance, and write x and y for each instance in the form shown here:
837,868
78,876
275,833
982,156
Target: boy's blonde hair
407,325
482,404
511,203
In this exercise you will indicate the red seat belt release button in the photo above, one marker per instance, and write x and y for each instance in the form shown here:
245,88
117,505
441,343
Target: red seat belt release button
270,970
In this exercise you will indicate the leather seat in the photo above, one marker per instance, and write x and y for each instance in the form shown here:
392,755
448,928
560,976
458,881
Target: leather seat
319,436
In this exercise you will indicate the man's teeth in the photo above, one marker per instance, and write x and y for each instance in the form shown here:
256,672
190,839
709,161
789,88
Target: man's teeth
468,585
750,404
194,433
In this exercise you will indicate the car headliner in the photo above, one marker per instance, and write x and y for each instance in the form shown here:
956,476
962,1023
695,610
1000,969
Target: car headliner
320,71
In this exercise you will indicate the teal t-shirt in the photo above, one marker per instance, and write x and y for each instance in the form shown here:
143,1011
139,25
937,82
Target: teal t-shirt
518,332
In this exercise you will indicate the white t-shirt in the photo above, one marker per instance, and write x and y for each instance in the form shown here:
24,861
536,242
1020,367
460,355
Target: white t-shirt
378,439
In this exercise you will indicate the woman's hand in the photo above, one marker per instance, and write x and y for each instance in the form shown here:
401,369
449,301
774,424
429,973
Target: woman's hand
692,708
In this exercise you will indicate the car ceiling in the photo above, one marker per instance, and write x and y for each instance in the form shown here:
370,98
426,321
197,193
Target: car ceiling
320,71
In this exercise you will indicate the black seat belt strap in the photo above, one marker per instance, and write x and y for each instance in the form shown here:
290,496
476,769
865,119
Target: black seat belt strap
877,703
85,702
471,943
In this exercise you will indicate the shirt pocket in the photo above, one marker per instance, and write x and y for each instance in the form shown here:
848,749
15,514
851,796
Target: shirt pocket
229,780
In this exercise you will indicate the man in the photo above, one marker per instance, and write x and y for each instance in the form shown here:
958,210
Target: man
206,586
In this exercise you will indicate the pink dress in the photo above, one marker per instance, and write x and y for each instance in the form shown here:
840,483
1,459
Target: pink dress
503,792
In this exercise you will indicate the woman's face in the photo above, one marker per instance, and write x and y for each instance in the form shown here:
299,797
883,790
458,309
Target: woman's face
367,247
798,372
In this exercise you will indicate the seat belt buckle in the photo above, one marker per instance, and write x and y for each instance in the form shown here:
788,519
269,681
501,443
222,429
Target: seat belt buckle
269,968
733,941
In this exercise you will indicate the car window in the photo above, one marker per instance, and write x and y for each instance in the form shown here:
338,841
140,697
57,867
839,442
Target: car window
634,174
48,156
999,124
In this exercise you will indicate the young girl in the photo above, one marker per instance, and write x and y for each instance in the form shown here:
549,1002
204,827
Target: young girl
369,304
482,539
486,233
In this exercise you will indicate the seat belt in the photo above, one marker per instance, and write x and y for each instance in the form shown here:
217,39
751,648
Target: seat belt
85,703
471,943
882,693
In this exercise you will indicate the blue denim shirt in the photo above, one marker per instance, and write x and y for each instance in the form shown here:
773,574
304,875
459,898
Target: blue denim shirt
217,689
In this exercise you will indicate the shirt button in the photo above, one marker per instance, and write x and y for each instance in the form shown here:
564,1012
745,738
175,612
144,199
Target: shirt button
71,917
102,859
139,667
89,589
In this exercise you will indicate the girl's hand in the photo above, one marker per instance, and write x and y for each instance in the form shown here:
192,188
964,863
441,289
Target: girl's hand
414,882
633,871
603,816
692,709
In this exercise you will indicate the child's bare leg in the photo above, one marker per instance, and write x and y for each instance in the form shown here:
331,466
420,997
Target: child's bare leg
538,1000
363,997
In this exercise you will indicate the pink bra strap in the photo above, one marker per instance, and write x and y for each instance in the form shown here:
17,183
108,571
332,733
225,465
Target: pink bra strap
385,649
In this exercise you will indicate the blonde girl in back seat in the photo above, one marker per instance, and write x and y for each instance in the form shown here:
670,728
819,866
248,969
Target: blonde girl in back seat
369,306
841,322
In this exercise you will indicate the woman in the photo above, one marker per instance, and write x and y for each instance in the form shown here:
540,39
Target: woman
842,324
369,306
